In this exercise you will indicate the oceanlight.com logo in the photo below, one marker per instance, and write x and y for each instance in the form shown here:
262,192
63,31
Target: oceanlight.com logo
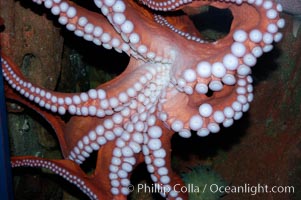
251,189
213,188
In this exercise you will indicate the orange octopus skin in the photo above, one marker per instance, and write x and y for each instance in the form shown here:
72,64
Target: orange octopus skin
165,89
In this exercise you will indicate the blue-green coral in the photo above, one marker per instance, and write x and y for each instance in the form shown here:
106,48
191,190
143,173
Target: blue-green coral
203,177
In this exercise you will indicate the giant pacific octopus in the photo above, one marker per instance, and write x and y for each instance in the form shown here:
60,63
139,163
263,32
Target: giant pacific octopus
175,82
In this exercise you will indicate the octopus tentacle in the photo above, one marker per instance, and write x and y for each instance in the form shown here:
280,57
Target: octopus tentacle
89,25
124,160
54,101
165,5
64,168
205,115
56,122
92,142
123,18
247,40
158,161
96,102
130,141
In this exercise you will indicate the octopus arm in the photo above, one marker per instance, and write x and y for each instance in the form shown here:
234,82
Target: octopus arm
64,168
98,102
91,26
55,121
157,155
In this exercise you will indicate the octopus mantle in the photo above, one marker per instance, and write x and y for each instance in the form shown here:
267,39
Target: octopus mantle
175,82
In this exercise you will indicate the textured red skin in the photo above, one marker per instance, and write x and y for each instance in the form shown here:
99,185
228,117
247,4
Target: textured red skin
69,133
